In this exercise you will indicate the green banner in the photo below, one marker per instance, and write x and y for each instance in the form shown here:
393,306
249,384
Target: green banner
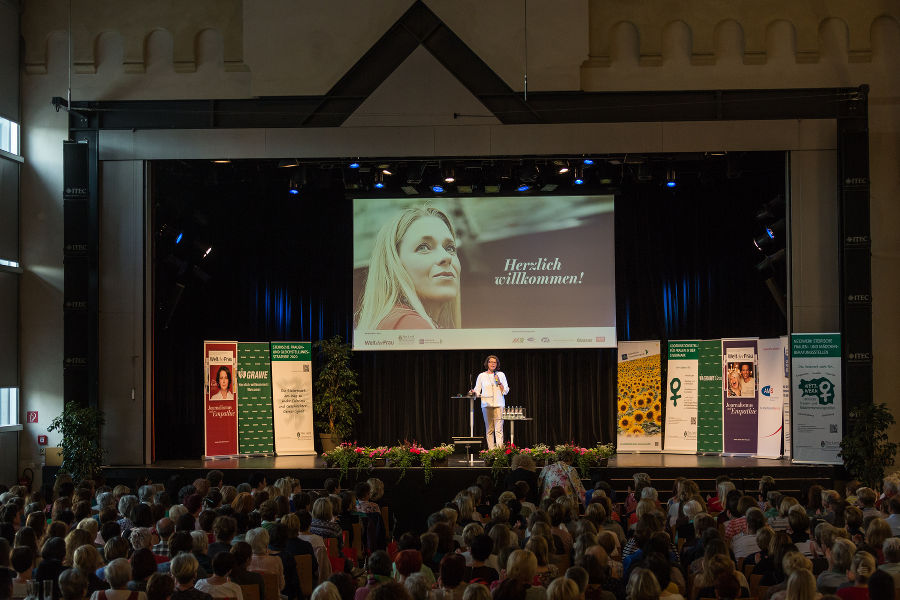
255,433
709,408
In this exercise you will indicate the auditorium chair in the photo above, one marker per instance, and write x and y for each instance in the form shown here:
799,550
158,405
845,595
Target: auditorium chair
270,583
250,592
304,573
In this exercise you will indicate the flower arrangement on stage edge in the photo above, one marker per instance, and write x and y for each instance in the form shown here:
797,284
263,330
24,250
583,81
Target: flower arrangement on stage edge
342,457
404,456
540,453
499,457
586,458
368,458
435,455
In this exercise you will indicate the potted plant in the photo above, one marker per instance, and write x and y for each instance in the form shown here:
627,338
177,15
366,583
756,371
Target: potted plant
342,456
499,457
335,403
434,457
403,456
866,448
80,428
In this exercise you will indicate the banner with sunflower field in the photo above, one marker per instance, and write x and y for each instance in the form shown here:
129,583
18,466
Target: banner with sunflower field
639,404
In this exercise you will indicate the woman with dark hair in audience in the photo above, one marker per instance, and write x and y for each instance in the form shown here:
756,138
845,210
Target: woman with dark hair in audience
52,554
239,574
143,565
452,576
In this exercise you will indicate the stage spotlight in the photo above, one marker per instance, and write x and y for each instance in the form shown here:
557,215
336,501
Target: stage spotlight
449,175
354,164
588,161
287,163
524,187
671,181
294,191
563,169
208,250
437,188
222,161
179,237
379,181
579,176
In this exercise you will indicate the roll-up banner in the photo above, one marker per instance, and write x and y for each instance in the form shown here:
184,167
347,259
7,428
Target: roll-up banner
255,398
639,406
220,420
740,404
709,406
682,397
817,397
292,397
786,397
771,397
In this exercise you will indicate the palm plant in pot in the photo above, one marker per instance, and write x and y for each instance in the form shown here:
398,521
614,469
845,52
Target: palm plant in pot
336,390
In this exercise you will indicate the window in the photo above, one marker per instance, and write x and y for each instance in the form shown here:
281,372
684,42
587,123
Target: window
9,136
9,263
9,406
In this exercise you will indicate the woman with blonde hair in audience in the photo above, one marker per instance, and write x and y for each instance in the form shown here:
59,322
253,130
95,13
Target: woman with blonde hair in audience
780,523
242,503
522,567
801,585
563,589
546,572
87,560
325,591
862,567
262,561
376,487
642,585
118,574
74,540
792,562
877,531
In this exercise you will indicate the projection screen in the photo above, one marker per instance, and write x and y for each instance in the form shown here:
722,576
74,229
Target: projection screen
483,273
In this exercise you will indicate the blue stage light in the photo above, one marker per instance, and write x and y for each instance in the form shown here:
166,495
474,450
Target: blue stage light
354,165
378,185
293,191
523,188
178,239
578,181
437,189
589,161
671,184
770,233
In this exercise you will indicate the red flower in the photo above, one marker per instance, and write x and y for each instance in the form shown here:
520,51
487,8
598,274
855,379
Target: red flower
509,451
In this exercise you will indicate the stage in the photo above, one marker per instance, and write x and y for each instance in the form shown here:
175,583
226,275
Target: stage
411,499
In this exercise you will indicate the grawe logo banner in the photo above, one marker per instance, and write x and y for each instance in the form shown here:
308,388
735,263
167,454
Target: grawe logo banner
709,406
740,404
817,397
681,396
771,397
639,409
255,399
220,429
292,397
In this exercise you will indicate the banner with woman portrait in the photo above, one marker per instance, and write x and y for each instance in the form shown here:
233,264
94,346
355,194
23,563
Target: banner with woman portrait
740,404
220,418
639,405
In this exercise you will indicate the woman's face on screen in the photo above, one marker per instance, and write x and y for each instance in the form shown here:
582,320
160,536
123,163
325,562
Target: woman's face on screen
428,252
223,381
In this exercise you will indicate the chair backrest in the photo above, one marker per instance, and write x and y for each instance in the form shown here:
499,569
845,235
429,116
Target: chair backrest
250,592
270,583
357,538
748,571
754,585
387,522
305,573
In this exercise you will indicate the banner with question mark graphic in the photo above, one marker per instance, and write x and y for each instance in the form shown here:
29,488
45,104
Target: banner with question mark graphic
817,397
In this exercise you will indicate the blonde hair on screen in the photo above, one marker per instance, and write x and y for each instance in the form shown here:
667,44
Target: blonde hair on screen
388,283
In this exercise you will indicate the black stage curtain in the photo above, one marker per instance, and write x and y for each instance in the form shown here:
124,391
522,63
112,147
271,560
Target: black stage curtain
279,268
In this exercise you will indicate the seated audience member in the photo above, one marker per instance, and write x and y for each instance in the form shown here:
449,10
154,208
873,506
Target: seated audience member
224,529
118,574
21,559
877,531
143,566
73,585
217,585
452,576
522,568
791,563
364,504
881,586
642,585
480,572
744,544
840,557
893,520
296,546
862,567
379,567
262,561
891,550
184,570
87,560
801,585
322,521
160,586
240,574
866,498
51,566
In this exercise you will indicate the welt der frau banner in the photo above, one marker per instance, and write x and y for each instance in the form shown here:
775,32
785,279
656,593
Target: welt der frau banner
740,403
639,405
220,415
292,397
817,397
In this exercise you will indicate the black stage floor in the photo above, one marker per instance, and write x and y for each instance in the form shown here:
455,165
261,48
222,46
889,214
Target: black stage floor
411,499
